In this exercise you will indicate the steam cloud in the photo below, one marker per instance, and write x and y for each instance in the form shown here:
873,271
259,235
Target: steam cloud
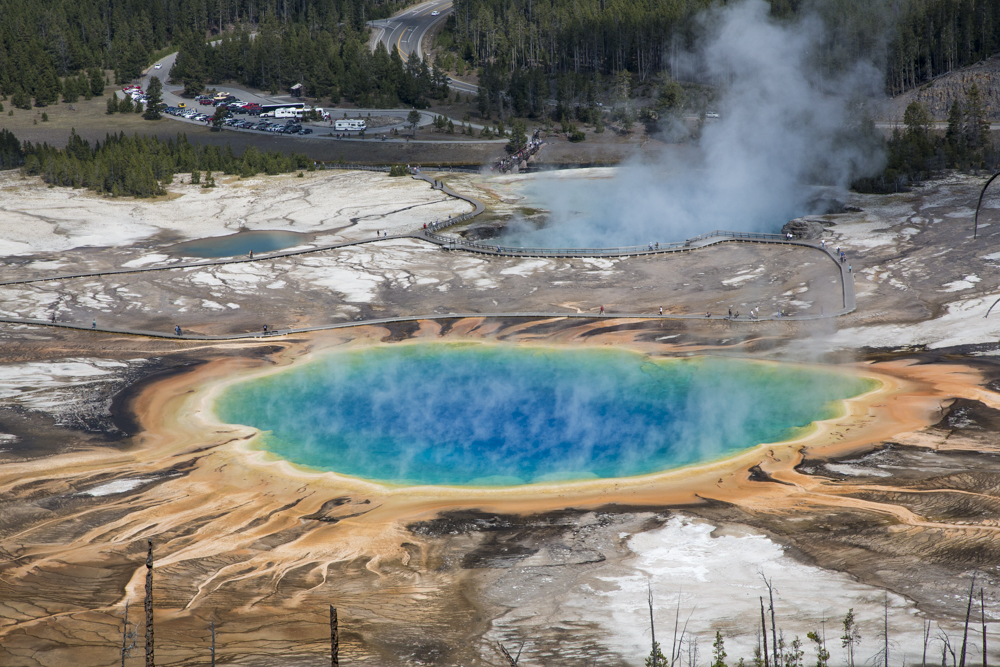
788,124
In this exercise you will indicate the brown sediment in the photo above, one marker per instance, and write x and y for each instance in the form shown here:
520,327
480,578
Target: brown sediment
266,540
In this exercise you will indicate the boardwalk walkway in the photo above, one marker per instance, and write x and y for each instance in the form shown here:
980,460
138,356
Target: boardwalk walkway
431,235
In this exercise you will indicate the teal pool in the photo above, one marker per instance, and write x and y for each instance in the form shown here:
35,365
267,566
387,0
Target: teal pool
489,415
240,243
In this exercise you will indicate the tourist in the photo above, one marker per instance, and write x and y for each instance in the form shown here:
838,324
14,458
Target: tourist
730,312
177,329
265,329
708,314
94,325
661,311
602,310
251,254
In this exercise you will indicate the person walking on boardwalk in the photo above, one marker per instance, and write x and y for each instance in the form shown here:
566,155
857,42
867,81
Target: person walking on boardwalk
177,329
251,254
94,325
602,310
661,311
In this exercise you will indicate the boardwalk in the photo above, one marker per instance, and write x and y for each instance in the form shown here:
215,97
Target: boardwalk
431,235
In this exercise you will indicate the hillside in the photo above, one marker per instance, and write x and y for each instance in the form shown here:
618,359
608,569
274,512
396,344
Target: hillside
939,94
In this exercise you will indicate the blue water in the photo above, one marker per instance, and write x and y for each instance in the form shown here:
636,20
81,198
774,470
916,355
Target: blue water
487,415
240,243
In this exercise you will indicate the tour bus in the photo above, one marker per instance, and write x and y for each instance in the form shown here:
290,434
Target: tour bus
346,125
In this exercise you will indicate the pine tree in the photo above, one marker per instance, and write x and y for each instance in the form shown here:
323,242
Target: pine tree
851,636
20,99
977,129
719,650
822,655
70,92
96,81
656,657
954,138
112,106
154,91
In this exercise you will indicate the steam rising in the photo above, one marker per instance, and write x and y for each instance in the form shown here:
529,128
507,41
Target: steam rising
490,415
788,123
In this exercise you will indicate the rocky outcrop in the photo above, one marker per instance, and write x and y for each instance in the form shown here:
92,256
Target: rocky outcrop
802,228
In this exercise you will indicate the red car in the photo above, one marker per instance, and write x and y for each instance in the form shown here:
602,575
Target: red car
206,102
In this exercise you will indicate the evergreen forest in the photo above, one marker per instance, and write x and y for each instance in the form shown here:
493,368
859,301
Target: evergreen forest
138,166
519,45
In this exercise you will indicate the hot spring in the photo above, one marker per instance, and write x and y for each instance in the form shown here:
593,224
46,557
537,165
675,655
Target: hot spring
487,415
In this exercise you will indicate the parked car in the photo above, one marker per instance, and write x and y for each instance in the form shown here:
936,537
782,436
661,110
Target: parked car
306,130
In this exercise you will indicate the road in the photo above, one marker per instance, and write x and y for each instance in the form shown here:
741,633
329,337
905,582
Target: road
406,31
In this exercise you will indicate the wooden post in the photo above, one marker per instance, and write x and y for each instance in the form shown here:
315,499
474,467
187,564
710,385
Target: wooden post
150,660
334,639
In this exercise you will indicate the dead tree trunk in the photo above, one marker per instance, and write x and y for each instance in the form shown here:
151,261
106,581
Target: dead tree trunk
982,614
968,613
150,660
652,627
885,630
126,635
774,626
675,652
763,629
334,638
927,634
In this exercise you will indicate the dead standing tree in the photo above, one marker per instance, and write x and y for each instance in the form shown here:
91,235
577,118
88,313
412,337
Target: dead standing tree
652,627
129,634
334,638
968,613
150,660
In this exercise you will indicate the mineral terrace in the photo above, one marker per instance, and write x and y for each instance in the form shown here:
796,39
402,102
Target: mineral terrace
104,443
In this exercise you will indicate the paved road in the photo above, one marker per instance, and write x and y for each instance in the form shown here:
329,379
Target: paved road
406,30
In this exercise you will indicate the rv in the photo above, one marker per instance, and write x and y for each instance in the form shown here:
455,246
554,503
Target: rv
283,113
349,125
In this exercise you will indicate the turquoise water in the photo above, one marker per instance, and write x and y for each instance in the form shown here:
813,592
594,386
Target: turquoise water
240,243
487,415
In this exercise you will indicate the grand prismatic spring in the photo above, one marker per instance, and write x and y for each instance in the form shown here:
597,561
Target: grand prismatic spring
487,415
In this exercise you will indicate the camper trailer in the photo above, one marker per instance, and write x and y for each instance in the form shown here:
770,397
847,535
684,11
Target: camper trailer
346,125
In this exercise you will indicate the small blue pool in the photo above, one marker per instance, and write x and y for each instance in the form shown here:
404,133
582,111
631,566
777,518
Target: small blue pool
240,243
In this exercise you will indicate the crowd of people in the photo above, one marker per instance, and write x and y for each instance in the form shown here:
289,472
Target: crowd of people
506,164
